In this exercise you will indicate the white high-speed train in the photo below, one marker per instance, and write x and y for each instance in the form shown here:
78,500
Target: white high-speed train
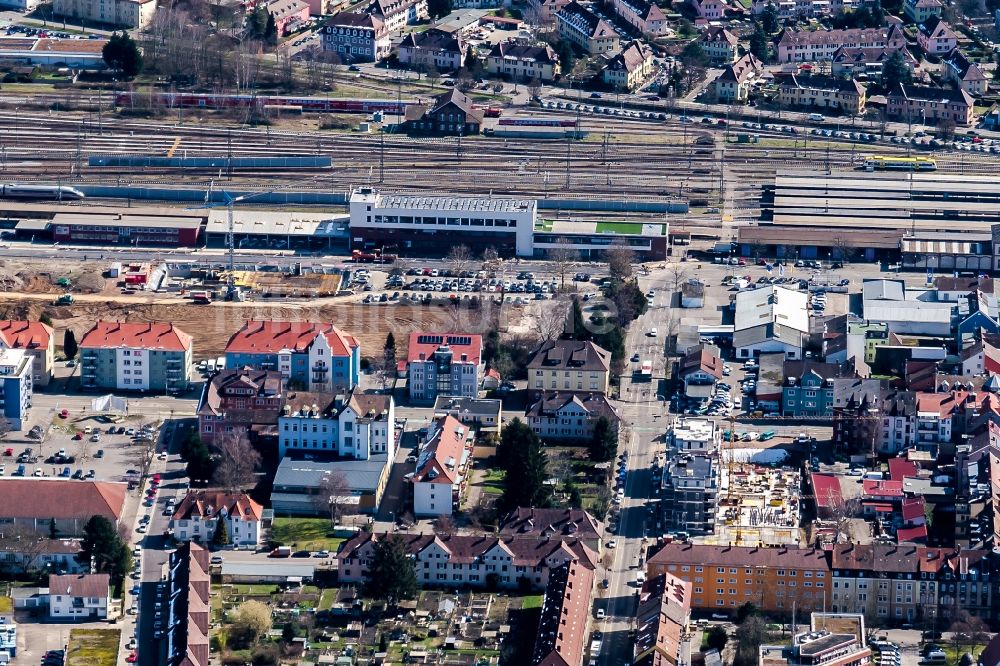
39,192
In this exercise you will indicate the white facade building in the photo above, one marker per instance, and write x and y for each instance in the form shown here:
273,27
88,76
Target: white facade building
356,426
412,222
16,386
441,467
197,518
694,435
79,596
770,319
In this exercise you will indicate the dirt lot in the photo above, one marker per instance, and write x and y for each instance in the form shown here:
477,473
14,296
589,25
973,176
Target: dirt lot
213,325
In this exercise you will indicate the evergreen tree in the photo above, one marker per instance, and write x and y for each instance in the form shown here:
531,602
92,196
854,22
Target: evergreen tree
392,576
895,71
604,444
438,8
758,43
567,58
576,327
70,347
769,19
102,545
221,536
122,53
200,465
271,30
389,348
258,21
53,532
524,461
45,318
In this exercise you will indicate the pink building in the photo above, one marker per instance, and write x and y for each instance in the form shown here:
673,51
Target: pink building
289,15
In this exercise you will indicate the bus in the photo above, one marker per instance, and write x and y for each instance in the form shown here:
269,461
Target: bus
882,163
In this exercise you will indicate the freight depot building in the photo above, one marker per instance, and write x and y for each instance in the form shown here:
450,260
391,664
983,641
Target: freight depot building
926,220
426,225
99,225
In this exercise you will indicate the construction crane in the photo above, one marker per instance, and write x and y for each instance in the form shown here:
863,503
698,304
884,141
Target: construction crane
231,292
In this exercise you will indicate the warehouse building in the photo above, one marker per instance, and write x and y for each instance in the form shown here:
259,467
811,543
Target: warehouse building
876,216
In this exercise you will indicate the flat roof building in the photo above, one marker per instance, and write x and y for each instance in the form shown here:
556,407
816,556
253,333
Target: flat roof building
418,224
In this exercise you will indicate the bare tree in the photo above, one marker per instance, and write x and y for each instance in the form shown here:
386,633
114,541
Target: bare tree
238,461
445,525
620,259
550,321
534,88
562,256
21,545
677,274
842,512
331,492
459,257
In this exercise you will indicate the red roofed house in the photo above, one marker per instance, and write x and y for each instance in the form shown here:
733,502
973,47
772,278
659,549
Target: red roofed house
135,356
700,370
662,621
938,413
37,340
316,357
829,497
196,519
441,466
914,528
562,630
630,68
444,364
980,358
240,403
33,503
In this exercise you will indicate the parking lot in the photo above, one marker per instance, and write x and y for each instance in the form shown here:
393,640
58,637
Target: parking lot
84,447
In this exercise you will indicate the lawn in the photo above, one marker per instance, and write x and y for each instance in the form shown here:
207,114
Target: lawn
93,647
619,228
532,601
305,534
6,605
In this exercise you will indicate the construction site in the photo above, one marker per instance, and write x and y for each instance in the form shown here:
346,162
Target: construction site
758,506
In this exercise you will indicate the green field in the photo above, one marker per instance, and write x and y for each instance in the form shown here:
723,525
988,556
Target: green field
305,534
621,228
93,647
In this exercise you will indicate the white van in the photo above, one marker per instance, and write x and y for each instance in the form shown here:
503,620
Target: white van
816,116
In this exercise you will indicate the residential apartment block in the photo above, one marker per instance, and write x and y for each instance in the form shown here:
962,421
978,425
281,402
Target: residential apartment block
720,45
433,49
803,9
723,578
470,560
568,416
568,365
356,37
690,494
854,62
309,356
929,104
562,631
663,618
186,599
396,14
919,11
588,31
965,74
555,522
822,93
198,515
35,338
134,356
357,425
736,80
809,387
16,386
444,364
630,68
441,468
645,17
520,61
543,12
935,37
240,403
812,46
115,13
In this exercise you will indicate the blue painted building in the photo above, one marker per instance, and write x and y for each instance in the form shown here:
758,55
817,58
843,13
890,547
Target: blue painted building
15,386
316,357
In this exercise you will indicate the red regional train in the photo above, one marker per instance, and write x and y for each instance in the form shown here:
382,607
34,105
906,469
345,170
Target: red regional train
215,101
